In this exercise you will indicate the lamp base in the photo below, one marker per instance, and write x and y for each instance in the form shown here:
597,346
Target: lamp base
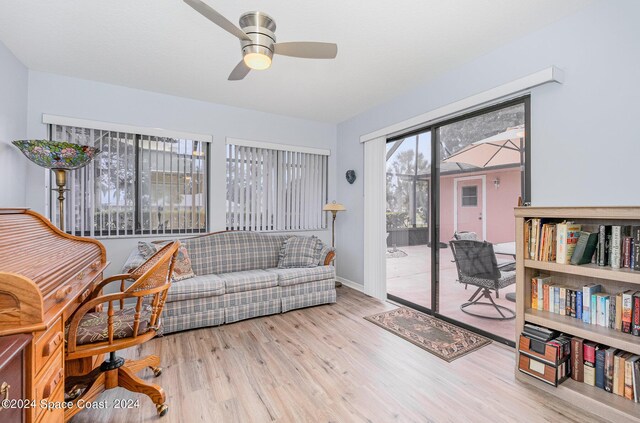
338,284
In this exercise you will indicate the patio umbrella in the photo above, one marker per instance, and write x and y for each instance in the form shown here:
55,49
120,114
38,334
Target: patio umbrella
501,149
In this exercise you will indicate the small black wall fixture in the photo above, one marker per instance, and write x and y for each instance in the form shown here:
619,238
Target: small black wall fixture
351,176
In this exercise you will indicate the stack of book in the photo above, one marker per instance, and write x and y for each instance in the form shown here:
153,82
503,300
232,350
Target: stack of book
616,246
620,311
605,367
544,354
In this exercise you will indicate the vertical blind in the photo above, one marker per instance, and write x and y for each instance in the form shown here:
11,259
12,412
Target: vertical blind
275,190
138,184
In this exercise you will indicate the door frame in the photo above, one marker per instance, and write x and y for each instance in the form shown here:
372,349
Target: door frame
484,202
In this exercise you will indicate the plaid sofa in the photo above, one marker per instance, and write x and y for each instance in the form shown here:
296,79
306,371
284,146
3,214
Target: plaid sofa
237,278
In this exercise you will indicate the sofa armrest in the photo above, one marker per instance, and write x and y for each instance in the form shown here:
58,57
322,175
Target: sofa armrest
327,254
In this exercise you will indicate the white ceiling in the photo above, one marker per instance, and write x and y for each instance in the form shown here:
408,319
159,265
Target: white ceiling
384,47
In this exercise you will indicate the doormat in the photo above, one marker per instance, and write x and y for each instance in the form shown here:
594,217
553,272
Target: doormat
440,338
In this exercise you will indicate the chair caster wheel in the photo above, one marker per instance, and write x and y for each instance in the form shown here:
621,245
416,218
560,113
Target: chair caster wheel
157,371
162,409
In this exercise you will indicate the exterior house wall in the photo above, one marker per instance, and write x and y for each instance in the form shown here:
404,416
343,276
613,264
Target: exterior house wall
499,204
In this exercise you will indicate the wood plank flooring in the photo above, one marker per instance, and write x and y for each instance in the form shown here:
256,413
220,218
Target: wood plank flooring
328,364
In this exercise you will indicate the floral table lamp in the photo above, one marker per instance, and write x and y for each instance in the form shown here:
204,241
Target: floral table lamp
60,157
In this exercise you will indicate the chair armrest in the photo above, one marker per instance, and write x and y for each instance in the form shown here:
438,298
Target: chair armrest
507,267
96,290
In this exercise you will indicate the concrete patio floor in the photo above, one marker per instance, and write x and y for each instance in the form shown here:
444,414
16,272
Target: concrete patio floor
410,278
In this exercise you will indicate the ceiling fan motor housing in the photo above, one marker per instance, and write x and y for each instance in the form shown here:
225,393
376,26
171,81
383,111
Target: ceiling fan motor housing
260,27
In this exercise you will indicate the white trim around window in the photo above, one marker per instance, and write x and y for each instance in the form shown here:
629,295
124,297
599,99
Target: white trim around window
504,92
119,127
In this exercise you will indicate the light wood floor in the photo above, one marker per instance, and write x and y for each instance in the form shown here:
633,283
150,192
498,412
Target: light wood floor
328,364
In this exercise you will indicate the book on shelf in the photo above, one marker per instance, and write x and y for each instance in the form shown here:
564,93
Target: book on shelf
618,309
627,308
587,291
609,360
618,371
578,304
635,233
611,312
594,309
589,373
604,235
600,357
636,381
577,359
585,248
566,240
626,251
601,309
629,383
635,311
616,238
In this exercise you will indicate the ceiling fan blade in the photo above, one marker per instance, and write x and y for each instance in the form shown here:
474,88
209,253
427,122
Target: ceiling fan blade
239,72
215,17
307,49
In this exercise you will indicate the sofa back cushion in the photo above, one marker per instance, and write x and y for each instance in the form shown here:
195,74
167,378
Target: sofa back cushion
300,251
233,252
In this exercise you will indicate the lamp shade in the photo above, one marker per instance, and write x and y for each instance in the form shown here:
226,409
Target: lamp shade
333,206
57,155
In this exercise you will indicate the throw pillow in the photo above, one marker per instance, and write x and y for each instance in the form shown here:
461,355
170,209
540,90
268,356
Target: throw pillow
181,269
300,251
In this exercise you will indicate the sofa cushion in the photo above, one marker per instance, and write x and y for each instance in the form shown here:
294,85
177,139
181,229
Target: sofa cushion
300,251
288,277
248,280
233,252
196,287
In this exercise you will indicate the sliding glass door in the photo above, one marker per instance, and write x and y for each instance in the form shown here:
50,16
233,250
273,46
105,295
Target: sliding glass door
408,218
481,176
450,224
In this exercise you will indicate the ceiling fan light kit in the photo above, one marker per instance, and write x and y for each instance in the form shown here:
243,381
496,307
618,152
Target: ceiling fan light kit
260,27
258,40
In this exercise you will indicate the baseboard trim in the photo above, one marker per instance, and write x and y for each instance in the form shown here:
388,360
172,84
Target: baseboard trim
350,284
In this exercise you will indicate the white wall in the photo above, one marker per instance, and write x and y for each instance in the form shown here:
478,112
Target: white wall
13,126
585,138
64,96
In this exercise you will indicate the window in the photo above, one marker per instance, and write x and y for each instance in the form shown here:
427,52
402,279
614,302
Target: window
138,184
470,196
271,189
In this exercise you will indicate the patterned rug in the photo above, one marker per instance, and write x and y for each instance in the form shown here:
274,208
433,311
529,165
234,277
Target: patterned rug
440,338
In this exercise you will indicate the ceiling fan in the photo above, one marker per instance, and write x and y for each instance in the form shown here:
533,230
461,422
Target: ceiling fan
258,40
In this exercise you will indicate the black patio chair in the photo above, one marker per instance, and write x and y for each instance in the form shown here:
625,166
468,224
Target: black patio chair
477,266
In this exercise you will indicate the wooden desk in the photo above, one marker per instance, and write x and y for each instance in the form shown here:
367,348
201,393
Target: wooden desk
13,375
45,275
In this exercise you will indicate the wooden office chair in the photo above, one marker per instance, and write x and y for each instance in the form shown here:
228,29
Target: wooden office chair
92,333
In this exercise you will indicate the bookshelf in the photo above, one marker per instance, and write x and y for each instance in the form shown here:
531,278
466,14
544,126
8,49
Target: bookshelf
593,399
